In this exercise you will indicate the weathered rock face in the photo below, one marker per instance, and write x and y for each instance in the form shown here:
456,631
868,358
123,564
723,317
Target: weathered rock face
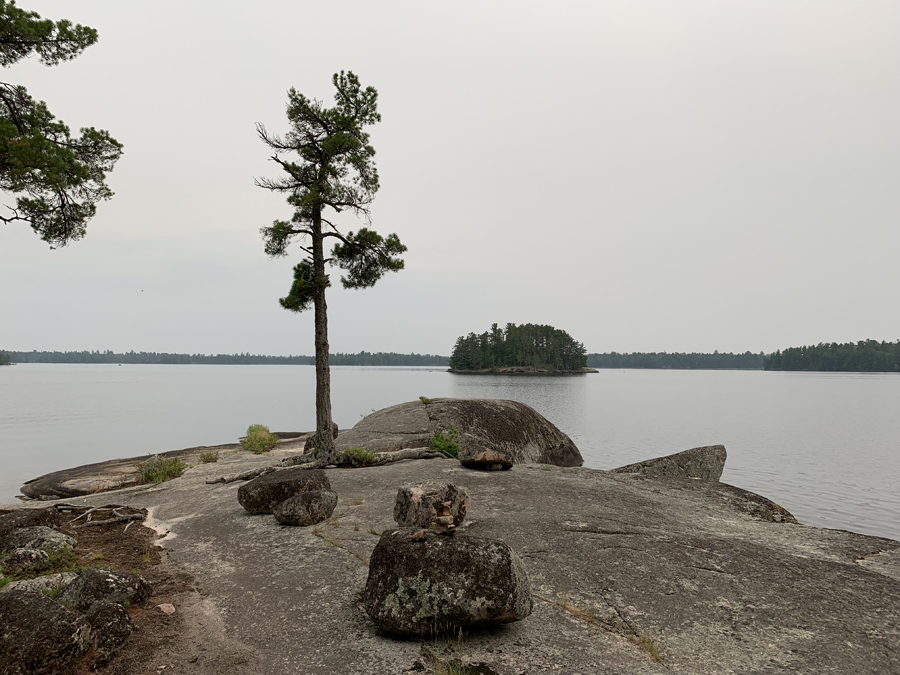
111,627
39,635
104,586
38,536
307,508
438,583
492,433
430,504
706,462
263,494
47,582
503,432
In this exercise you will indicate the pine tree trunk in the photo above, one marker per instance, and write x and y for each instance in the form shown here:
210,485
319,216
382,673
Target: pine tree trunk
324,442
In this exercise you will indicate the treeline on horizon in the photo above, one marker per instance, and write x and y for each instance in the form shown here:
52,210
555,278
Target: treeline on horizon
340,359
678,361
533,345
865,356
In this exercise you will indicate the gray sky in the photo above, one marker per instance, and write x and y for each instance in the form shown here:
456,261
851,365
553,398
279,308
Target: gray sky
680,176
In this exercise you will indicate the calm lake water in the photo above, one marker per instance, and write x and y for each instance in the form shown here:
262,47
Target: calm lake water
826,446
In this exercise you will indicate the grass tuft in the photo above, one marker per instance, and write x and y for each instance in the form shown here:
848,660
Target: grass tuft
425,400
446,442
259,439
357,457
209,456
159,469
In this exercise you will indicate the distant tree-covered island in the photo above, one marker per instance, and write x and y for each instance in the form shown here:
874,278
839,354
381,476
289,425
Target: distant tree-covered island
865,356
361,359
526,348
4,359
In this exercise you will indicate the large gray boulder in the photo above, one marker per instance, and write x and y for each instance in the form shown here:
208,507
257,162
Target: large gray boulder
95,586
39,636
43,584
307,508
264,493
490,433
706,463
434,584
111,627
431,504
13,520
38,536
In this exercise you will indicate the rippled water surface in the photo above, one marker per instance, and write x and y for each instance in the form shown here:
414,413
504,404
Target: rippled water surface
826,446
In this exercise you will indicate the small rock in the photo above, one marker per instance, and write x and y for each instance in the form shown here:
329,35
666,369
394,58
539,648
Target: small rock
442,584
48,582
428,504
307,508
26,560
39,635
264,493
167,608
111,626
94,585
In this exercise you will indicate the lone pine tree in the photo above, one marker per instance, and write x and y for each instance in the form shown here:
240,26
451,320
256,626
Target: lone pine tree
57,178
328,168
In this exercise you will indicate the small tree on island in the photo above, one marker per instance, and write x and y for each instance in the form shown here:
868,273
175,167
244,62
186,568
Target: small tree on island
333,170
57,178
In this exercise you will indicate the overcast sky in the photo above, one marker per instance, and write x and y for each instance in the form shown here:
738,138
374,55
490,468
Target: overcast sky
648,176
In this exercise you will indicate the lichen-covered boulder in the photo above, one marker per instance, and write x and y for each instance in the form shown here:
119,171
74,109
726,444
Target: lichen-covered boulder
434,584
431,504
264,493
38,635
47,582
489,433
111,627
27,518
98,586
706,463
307,508
25,560
38,536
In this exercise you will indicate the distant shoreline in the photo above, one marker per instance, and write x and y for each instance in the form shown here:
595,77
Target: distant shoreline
522,370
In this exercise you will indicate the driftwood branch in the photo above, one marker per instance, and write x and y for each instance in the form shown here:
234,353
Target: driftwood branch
298,463
246,475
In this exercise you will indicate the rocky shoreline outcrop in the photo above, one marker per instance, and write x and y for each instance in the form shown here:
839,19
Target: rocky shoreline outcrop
629,573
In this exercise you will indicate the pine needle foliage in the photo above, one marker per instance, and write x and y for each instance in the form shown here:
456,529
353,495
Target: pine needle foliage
57,177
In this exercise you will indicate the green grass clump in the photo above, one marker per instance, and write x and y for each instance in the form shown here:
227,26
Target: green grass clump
159,469
259,439
209,456
425,400
356,457
446,442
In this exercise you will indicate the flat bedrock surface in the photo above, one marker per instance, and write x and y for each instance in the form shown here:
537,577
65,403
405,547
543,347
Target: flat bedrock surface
621,565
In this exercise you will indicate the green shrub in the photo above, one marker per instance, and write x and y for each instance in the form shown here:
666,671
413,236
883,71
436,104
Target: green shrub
447,442
259,439
360,457
209,456
425,400
158,469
